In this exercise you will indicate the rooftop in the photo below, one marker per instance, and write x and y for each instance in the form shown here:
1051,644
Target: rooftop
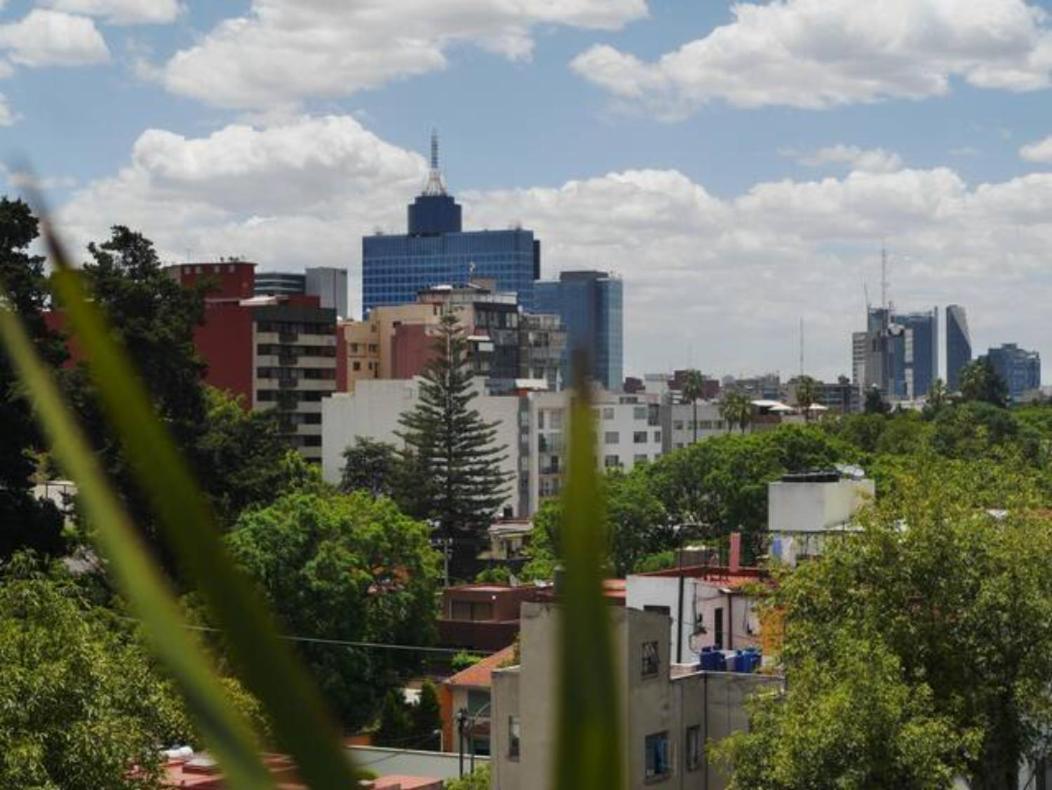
480,675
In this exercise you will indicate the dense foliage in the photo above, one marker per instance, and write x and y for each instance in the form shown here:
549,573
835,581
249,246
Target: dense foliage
916,650
80,704
345,567
25,523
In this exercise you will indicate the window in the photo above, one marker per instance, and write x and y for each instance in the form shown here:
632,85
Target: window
657,762
693,747
514,732
639,413
651,659
611,462
608,413
677,425
641,458
471,610
357,366
718,636
657,436
611,437
651,607
639,437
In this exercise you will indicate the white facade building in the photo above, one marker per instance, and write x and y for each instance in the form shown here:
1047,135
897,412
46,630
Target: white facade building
532,425
804,509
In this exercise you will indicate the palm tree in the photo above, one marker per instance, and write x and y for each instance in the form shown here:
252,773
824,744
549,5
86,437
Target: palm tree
692,390
736,409
806,395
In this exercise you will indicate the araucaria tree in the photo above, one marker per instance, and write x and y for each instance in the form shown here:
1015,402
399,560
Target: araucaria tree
457,449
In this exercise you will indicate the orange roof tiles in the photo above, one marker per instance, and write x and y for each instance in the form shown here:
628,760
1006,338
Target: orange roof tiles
480,675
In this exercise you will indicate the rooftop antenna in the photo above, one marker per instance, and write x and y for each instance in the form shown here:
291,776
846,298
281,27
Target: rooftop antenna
435,185
883,276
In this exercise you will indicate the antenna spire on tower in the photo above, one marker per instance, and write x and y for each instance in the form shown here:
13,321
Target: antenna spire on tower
434,185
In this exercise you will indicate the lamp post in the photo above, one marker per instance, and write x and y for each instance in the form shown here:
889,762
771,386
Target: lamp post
462,719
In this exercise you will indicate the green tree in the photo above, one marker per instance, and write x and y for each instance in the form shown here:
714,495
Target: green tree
807,392
370,466
958,604
938,398
693,386
457,448
427,718
80,705
25,522
853,723
244,454
980,382
875,403
395,727
736,409
343,567
479,779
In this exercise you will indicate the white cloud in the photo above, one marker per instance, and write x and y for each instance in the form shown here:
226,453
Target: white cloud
7,115
285,50
1038,151
871,160
121,12
53,38
821,53
698,269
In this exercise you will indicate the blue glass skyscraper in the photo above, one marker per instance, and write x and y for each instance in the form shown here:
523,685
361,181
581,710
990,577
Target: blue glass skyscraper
437,251
958,345
1018,368
590,304
920,352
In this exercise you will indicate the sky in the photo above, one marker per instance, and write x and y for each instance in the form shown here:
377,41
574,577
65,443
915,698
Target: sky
739,165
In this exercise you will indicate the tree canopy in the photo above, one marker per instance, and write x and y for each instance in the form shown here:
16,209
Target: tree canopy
925,642
349,568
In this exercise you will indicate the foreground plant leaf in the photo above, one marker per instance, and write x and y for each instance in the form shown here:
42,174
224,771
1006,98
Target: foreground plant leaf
267,666
588,727
224,729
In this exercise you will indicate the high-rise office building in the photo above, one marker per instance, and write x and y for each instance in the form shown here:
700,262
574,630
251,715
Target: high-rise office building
591,306
958,345
437,251
898,353
1018,368
920,359
328,283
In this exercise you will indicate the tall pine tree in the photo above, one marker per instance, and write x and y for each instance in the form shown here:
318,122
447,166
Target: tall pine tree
457,450
25,522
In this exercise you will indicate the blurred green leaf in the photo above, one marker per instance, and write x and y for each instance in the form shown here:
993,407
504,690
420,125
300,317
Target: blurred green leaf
226,732
302,726
588,731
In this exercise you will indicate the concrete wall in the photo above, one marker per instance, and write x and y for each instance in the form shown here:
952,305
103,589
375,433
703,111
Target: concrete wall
813,507
725,696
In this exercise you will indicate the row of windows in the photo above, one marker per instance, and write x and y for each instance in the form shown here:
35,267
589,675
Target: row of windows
357,348
703,425
657,759
274,349
638,437
296,327
290,396
614,461
295,374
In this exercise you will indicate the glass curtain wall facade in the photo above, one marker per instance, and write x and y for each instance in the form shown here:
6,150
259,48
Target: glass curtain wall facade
958,345
591,305
1018,368
921,351
396,268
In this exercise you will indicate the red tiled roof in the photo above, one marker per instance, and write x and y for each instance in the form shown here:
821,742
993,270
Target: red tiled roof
480,675
716,574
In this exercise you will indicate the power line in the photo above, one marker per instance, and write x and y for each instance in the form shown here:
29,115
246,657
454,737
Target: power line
344,642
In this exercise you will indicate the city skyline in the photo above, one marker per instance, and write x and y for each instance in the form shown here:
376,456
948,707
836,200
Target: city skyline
732,205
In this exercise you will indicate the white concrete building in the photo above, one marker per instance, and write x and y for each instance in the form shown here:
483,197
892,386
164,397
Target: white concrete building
533,425
709,606
669,712
804,509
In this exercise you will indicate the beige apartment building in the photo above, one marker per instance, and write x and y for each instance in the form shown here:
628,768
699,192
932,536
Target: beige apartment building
669,712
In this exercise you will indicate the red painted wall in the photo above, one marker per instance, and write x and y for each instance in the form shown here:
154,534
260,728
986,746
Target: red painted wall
235,280
411,350
224,342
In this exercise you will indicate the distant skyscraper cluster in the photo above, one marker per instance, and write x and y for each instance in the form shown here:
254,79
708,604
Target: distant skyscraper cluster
898,354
